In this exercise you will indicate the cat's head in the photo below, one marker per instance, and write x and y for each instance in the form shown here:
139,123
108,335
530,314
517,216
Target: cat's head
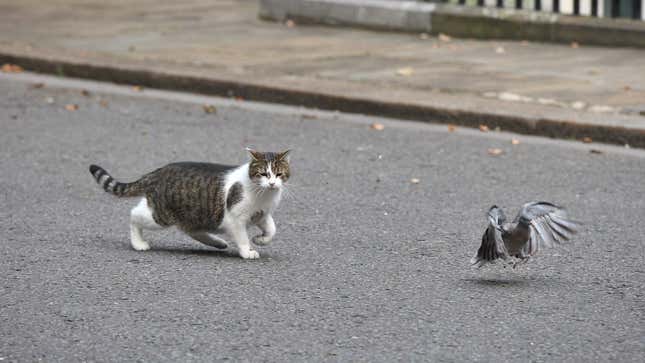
269,169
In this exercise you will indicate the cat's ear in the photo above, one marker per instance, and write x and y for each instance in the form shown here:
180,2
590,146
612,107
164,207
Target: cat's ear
255,155
283,155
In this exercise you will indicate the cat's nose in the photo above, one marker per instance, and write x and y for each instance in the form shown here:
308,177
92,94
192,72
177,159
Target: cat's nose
271,183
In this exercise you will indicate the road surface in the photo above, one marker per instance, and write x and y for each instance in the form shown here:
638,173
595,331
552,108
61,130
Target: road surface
366,265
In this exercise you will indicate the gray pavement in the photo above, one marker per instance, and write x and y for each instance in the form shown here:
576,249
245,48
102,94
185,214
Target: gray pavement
366,266
424,77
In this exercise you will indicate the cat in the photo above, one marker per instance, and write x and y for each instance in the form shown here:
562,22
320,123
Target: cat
204,199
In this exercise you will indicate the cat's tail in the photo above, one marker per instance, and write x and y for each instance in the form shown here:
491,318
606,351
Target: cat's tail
114,187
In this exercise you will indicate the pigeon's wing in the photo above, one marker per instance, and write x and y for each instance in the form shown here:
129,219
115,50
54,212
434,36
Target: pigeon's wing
491,249
548,225
496,216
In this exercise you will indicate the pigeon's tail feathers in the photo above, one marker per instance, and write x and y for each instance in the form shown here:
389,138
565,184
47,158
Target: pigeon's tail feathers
491,249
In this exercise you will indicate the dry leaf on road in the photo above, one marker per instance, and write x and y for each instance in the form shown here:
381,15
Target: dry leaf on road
444,38
452,128
415,181
500,50
38,85
495,151
595,151
515,141
377,126
209,109
71,107
424,36
290,23
103,103
587,140
407,71
483,128
137,88
85,92
575,45
11,68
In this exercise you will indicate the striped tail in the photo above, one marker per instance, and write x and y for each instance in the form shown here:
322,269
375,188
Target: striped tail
112,186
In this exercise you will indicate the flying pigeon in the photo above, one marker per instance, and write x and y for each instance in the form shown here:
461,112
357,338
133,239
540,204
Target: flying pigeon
537,225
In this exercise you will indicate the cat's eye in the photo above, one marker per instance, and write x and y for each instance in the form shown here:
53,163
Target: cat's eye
264,175
279,175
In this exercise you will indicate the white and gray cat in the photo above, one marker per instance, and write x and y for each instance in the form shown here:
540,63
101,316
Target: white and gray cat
204,199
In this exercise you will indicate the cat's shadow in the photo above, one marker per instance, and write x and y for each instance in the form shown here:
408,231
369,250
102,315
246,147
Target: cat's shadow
496,282
192,251
183,250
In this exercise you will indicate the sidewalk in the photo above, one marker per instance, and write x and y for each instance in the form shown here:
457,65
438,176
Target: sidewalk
221,47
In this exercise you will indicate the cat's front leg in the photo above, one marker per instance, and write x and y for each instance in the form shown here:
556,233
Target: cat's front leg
241,238
267,225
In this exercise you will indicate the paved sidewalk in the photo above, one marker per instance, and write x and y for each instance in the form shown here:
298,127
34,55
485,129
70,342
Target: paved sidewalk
580,91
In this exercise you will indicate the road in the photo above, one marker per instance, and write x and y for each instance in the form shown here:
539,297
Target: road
366,265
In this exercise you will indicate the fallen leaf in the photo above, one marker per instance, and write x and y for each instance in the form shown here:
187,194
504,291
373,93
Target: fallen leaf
515,141
308,117
239,98
483,128
627,88
595,151
407,71
452,128
11,68
415,181
587,140
578,105
524,43
575,45
500,50
131,48
209,109
49,100
424,36
103,103
38,85
137,88
377,126
290,23
85,92
495,151
71,107
444,38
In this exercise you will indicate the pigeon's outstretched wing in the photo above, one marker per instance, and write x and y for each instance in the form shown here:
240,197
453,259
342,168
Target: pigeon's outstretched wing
492,246
548,225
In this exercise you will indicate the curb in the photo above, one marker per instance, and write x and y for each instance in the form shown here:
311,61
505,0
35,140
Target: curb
459,21
124,74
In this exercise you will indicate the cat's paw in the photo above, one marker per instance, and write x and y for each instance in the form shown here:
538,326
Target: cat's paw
249,255
262,240
140,245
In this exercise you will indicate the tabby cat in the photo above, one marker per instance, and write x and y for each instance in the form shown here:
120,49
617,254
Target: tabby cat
204,199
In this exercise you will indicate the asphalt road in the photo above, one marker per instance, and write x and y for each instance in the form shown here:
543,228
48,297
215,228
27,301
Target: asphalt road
366,266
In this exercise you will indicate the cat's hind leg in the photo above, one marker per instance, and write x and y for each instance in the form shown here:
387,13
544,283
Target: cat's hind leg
140,219
209,240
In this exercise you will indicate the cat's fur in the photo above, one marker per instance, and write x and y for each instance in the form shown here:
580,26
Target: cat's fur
204,199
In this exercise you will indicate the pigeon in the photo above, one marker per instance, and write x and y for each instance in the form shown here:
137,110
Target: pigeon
537,225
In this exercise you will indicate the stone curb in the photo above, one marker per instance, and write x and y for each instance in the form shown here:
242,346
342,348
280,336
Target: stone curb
140,75
459,21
